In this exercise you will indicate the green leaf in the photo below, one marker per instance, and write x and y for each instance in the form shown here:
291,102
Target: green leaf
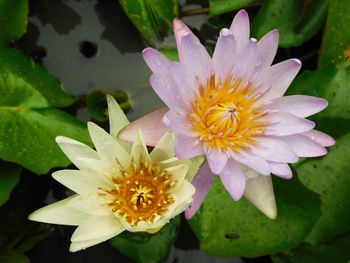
337,251
297,20
153,18
14,62
9,177
337,35
12,256
227,228
331,83
97,104
218,7
329,176
28,127
172,54
13,20
146,248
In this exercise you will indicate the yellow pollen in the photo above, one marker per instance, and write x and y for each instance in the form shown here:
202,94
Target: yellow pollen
224,115
141,193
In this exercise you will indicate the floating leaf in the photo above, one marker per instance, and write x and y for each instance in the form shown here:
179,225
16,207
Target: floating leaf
218,7
13,20
9,177
153,18
28,127
146,248
337,34
14,62
329,176
227,228
337,251
297,21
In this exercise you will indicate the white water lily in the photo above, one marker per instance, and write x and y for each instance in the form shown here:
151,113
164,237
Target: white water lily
118,187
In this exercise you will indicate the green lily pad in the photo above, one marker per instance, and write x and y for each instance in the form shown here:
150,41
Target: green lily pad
227,228
14,62
329,176
146,248
218,7
336,251
9,177
297,20
152,18
29,127
337,34
13,20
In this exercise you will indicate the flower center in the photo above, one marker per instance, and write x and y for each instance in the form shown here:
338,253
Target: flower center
224,114
141,193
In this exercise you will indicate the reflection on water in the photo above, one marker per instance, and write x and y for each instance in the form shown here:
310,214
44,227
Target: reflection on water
117,65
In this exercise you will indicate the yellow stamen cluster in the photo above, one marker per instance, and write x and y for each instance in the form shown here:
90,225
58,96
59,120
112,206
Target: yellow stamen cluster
224,114
141,192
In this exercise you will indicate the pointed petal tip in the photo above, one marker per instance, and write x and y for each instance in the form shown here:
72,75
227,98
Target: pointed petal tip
59,139
297,61
189,213
242,13
178,24
271,213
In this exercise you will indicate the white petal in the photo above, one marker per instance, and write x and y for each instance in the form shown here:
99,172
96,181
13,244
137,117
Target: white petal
139,149
76,246
298,105
91,204
59,213
241,29
281,169
81,182
196,57
156,61
183,197
178,173
164,149
107,147
259,191
233,179
194,166
117,121
74,150
278,78
303,146
320,137
282,124
95,227
272,149
152,126
267,48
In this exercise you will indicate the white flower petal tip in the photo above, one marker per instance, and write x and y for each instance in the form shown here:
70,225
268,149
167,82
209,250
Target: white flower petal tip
259,191
156,61
320,137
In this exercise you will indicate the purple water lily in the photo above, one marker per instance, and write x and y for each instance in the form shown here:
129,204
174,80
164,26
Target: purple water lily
230,108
